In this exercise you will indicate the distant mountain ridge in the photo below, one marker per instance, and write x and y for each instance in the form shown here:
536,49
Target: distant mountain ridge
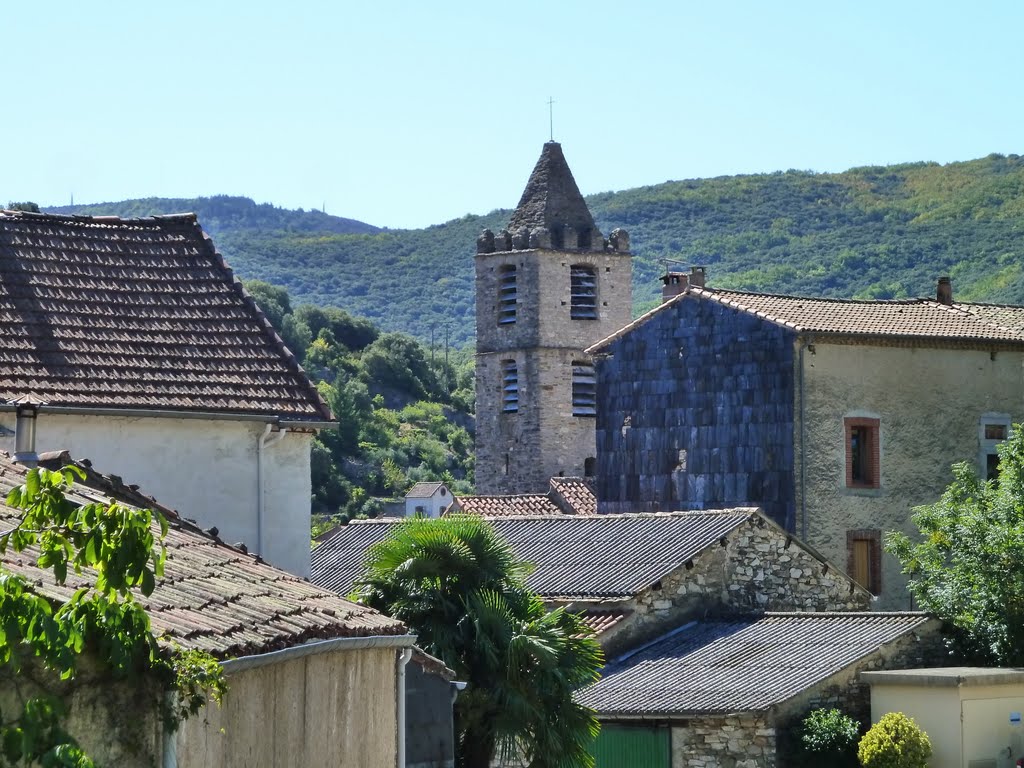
873,232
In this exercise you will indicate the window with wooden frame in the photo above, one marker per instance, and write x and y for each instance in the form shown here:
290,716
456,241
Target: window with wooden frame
993,429
509,386
864,558
508,294
584,389
583,292
862,452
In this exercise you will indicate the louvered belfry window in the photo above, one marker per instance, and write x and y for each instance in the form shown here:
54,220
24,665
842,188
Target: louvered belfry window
509,386
508,295
583,292
584,389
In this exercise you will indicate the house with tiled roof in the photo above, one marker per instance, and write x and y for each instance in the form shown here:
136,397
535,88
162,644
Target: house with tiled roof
130,341
634,576
313,679
566,495
427,499
837,417
727,690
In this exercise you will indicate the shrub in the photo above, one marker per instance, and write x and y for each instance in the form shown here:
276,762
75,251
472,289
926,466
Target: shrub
895,741
828,737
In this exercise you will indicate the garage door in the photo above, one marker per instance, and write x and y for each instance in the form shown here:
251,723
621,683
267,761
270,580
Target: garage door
627,746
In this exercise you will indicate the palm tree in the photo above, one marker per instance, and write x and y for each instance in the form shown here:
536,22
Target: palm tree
463,591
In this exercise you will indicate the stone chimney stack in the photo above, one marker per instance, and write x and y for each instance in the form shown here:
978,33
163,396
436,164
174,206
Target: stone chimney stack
944,291
674,284
697,275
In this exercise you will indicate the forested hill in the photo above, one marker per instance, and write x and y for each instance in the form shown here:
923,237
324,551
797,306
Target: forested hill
881,232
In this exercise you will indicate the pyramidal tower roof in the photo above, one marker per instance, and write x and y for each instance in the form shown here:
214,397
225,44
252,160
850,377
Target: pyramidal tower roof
551,198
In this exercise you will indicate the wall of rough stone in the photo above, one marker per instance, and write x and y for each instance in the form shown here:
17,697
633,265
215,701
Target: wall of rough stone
759,568
744,741
543,439
695,411
929,402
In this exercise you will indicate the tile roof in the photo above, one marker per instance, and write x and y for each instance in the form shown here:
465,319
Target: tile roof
575,557
603,620
212,596
101,312
519,505
910,319
742,665
423,490
576,495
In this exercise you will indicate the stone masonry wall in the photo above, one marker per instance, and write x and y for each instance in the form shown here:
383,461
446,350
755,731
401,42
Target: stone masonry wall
695,411
543,439
745,741
758,568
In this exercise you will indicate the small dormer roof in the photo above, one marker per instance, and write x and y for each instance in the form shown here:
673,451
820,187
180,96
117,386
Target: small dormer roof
551,198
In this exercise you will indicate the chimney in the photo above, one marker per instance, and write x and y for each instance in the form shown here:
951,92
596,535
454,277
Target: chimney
697,277
675,283
25,434
944,291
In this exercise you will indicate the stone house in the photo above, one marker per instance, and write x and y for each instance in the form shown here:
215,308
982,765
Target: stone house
313,679
547,286
428,499
836,417
131,342
636,576
725,692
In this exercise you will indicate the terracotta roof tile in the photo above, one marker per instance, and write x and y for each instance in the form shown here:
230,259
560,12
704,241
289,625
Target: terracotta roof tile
211,596
574,495
742,665
911,318
519,505
137,313
575,557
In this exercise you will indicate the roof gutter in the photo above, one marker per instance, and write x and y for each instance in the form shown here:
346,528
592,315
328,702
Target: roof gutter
243,663
72,410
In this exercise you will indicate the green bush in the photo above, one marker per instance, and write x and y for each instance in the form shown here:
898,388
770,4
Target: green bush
828,737
895,741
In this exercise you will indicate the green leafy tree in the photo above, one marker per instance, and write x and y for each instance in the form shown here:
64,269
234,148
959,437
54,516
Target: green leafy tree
114,548
828,737
27,206
895,741
968,565
463,591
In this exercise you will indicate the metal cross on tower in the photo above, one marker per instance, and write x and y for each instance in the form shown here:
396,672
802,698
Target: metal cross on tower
551,117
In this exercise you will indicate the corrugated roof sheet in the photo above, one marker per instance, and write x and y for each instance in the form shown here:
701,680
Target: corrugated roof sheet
742,665
575,557
137,314
910,318
212,597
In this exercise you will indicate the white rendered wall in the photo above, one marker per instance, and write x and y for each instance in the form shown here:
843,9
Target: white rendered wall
929,401
206,470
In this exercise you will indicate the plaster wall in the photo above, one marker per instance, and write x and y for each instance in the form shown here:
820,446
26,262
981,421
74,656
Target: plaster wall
929,401
206,470
336,709
433,506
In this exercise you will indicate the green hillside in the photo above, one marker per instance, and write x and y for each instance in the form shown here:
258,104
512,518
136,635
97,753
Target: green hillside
869,232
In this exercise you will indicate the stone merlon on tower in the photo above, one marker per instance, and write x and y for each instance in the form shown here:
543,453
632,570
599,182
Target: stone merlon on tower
548,286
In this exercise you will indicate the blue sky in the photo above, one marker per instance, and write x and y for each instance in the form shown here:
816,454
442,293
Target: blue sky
406,114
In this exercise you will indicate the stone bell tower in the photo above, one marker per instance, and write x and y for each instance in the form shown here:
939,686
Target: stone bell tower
548,286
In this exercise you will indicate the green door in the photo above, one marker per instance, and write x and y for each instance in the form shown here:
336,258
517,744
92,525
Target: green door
629,746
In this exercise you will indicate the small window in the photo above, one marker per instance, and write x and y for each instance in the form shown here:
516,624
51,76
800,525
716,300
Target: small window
864,558
508,295
583,292
589,466
509,386
993,429
862,454
584,389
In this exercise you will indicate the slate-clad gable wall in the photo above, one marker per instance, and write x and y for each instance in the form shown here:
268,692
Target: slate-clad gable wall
695,411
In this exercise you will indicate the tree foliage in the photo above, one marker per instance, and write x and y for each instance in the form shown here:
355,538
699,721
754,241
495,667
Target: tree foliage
967,567
828,737
112,552
895,741
463,591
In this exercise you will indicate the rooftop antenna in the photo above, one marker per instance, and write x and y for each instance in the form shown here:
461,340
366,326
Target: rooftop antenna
551,118
72,198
